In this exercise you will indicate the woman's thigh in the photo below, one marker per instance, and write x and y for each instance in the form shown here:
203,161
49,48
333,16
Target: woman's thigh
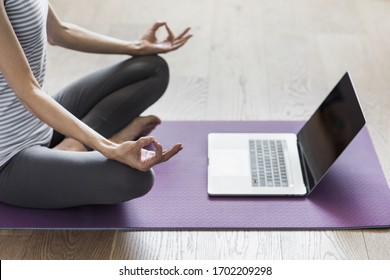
39,177
108,99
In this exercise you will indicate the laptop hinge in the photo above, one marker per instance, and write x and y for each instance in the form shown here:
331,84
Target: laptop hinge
304,168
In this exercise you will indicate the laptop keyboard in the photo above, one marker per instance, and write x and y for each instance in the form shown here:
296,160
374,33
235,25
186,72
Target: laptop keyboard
268,164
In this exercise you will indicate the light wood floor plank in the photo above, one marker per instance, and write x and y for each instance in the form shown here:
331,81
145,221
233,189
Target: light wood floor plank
323,245
239,245
155,245
378,244
237,64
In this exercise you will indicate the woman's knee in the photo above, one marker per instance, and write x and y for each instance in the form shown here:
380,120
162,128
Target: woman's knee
161,70
157,67
160,64
136,184
146,182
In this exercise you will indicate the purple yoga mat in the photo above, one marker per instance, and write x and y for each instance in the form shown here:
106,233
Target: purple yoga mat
354,194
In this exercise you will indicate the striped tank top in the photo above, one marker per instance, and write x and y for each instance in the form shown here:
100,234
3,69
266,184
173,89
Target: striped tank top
19,129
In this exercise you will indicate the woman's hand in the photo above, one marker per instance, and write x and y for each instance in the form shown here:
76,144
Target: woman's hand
149,43
134,155
74,37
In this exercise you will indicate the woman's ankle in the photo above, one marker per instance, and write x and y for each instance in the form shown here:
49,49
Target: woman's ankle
70,144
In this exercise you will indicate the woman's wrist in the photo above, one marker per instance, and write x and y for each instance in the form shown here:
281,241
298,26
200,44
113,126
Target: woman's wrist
106,147
109,150
134,48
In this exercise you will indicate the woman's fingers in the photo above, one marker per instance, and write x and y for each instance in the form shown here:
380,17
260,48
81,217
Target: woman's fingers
183,40
183,33
151,33
164,155
157,25
171,36
169,153
147,159
158,151
153,45
144,141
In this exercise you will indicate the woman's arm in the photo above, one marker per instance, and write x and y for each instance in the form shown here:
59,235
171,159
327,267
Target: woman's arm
16,70
73,37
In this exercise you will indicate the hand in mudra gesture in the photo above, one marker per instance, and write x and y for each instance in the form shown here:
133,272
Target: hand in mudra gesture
133,153
150,44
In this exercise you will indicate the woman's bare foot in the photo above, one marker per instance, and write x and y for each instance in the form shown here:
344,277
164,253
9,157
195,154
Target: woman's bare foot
70,144
139,127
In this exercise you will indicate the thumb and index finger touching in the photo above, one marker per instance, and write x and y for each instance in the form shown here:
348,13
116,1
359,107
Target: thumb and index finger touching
171,35
161,155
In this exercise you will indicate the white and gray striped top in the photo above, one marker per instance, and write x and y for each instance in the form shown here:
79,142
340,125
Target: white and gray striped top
20,129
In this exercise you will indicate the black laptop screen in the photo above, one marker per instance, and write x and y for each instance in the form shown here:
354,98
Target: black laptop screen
330,130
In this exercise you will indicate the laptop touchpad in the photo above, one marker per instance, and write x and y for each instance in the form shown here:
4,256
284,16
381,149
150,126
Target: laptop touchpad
229,162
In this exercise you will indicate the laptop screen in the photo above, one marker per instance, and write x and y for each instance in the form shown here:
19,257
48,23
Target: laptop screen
329,131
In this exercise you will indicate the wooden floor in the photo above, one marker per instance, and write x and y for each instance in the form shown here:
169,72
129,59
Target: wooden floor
248,60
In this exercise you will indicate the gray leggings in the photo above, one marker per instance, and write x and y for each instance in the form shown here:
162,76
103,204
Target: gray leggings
107,100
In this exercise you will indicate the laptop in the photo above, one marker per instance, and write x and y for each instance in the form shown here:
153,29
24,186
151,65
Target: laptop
285,164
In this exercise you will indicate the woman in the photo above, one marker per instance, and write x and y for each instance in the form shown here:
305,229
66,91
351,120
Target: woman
85,145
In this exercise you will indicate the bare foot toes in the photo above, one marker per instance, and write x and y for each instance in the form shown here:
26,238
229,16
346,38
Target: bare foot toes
146,125
139,127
